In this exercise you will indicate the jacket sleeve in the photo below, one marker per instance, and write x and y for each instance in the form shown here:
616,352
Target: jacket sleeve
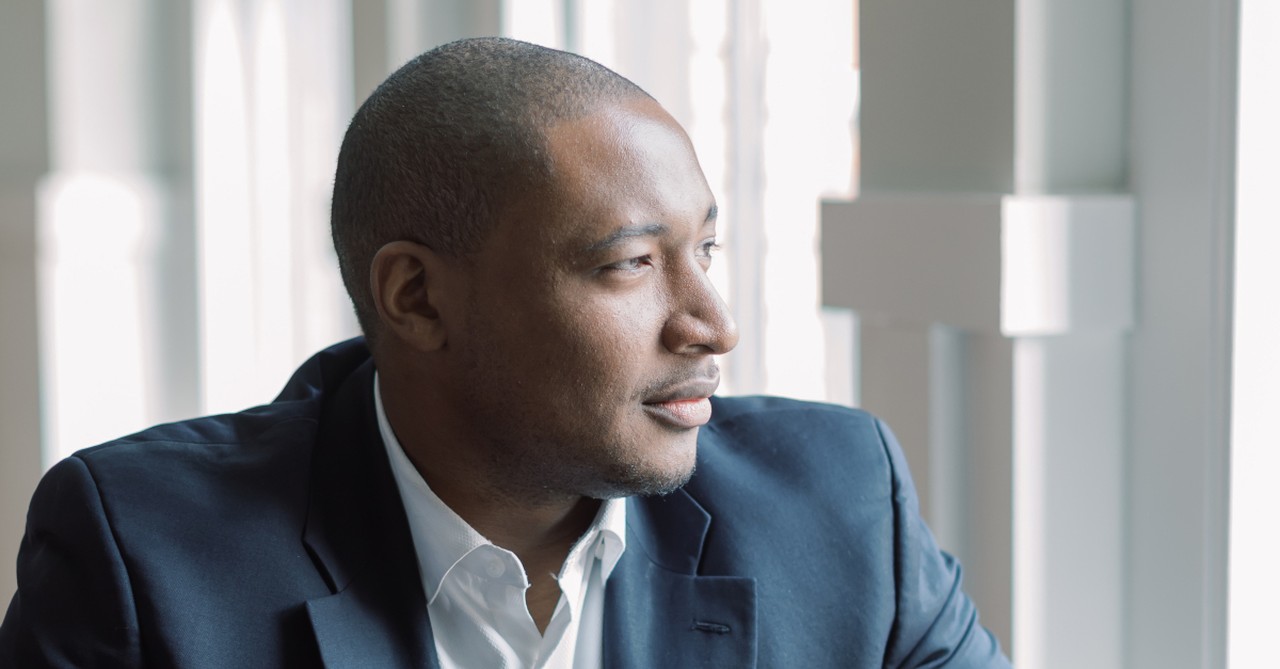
74,606
936,624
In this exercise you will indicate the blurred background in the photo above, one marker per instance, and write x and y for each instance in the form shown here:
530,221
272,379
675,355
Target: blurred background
1034,235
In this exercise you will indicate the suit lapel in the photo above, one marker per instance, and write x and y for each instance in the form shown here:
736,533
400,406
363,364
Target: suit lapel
359,538
659,611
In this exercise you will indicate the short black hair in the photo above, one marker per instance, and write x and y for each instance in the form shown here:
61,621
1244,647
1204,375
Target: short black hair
447,141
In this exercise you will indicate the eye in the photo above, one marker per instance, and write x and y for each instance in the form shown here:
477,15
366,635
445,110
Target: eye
707,250
635,264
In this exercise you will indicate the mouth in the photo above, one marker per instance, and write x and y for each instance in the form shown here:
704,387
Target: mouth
684,406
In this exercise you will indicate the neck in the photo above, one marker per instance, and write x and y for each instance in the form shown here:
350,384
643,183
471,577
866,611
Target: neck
525,527
541,535
536,524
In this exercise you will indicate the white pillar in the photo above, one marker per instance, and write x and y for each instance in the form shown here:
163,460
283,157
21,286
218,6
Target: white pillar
992,156
24,158
1182,154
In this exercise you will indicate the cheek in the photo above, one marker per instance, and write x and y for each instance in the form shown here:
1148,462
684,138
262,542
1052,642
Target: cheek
603,342
624,327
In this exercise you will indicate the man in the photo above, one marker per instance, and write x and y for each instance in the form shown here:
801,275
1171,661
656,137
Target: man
523,466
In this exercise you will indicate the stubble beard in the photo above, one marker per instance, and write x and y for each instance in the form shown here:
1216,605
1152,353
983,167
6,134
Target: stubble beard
541,469
535,456
540,461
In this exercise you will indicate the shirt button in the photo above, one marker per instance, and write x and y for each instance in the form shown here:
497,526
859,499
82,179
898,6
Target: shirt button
493,566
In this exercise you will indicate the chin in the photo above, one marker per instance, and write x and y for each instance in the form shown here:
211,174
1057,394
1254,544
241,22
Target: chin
654,484
653,477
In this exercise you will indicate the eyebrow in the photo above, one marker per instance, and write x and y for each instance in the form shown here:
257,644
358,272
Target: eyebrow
644,230
629,232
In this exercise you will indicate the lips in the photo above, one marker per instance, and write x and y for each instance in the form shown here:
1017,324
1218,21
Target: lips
683,406
682,414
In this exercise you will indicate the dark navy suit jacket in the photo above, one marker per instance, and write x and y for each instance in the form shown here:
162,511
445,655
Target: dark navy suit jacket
276,538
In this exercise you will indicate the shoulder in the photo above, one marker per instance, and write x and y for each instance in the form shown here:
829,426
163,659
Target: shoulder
222,462
211,439
173,494
788,416
122,537
201,465
787,483
774,424
820,448
292,417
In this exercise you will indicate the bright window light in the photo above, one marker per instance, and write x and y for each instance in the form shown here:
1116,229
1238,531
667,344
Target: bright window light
810,92
94,233
224,213
1255,447
536,21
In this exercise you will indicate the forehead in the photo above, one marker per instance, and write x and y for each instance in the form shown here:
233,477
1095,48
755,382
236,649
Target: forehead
627,164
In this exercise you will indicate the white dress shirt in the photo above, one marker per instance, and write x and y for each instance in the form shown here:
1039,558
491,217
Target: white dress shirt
476,590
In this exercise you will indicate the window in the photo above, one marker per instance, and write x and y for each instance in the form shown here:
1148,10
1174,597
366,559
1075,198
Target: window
1255,389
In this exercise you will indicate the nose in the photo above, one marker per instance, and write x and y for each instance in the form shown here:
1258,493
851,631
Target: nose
699,322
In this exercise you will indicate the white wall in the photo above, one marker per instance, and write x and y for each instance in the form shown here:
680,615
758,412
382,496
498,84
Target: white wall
1182,110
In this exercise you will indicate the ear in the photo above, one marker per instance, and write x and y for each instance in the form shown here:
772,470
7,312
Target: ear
409,281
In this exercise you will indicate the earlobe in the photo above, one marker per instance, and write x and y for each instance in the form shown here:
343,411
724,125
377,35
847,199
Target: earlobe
407,289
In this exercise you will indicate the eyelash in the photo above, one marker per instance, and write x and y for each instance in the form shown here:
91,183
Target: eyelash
707,250
630,264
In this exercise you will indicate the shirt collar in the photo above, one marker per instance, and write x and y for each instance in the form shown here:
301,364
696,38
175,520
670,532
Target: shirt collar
451,538
611,525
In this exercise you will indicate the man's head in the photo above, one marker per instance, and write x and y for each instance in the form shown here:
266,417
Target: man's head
448,143
557,334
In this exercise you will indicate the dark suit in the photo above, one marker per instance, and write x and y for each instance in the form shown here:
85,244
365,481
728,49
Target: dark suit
276,537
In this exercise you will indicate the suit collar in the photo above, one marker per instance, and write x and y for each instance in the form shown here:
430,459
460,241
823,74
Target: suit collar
670,530
659,610
358,536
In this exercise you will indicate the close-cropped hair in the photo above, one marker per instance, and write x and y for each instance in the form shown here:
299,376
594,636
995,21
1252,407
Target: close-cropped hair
448,141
